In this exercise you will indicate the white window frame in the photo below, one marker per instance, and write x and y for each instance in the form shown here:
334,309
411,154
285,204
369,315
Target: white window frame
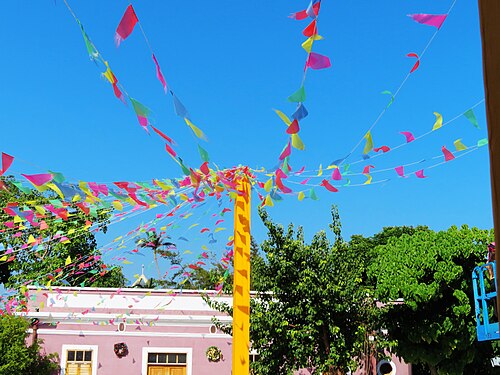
64,356
150,349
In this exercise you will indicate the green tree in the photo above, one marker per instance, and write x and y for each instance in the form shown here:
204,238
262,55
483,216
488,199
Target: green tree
311,309
425,279
45,260
160,245
18,358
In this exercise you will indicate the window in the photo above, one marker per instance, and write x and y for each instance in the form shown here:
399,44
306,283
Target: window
79,360
167,361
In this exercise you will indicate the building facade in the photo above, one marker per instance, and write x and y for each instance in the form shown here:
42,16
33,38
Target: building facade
134,331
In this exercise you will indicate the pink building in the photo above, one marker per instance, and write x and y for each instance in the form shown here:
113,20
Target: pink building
133,331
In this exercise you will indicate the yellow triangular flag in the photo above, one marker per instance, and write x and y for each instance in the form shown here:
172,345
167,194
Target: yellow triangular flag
439,121
269,201
297,142
118,205
307,45
68,261
320,172
31,239
301,196
459,146
369,142
368,179
268,185
282,116
197,131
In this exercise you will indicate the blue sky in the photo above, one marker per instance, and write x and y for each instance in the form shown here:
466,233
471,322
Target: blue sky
232,62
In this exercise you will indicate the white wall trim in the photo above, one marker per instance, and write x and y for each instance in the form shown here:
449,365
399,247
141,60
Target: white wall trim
64,355
152,349
68,332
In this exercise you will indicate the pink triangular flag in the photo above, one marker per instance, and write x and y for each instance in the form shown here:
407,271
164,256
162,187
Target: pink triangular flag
317,61
6,162
159,74
435,20
447,154
38,179
409,136
126,25
420,174
400,171
336,175
286,152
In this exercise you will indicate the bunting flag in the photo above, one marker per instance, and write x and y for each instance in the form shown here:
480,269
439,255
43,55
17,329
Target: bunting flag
471,117
316,61
311,29
282,116
109,75
159,74
387,92
286,151
447,154
300,112
336,175
400,171
91,50
179,108
170,150
435,20
197,131
369,143
409,136
6,162
126,25
163,135
142,112
368,179
308,44
459,146
203,154
417,63
329,186
420,174
293,128
297,142
38,179
298,96
313,8
384,149
439,121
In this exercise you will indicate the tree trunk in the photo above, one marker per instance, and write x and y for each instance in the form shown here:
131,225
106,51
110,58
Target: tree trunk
433,370
155,257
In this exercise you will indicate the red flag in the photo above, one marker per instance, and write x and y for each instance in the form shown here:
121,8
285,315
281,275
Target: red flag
311,29
447,154
164,136
293,128
417,63
126,25
329,186
6,162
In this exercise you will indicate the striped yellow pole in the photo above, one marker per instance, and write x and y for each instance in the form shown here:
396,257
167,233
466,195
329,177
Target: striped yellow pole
241,283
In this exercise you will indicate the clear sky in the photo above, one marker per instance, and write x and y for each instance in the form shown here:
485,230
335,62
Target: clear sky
231,63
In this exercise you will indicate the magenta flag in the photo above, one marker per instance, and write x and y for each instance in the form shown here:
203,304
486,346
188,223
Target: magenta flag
286,152
317,61
420,174
409,136
400,171
38,179
435,20
126,25
336,175
159,74
6,162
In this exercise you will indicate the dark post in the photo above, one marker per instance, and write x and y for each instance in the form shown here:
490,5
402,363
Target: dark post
489,16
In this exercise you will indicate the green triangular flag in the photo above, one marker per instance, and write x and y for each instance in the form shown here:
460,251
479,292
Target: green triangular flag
185,170
90,46
482,142
313,195
471,117
140,109
24,189
298,96
203,154
58,177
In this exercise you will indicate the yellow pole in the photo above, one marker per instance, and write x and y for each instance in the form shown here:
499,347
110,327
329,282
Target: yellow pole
241,283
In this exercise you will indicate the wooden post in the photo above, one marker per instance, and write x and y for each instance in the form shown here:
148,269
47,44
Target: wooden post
241,282
489,16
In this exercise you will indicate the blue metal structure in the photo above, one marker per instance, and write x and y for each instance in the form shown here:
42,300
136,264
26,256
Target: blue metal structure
485,295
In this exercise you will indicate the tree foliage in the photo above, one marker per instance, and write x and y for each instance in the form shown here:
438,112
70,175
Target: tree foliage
434,323
311,309
45,261
18,358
